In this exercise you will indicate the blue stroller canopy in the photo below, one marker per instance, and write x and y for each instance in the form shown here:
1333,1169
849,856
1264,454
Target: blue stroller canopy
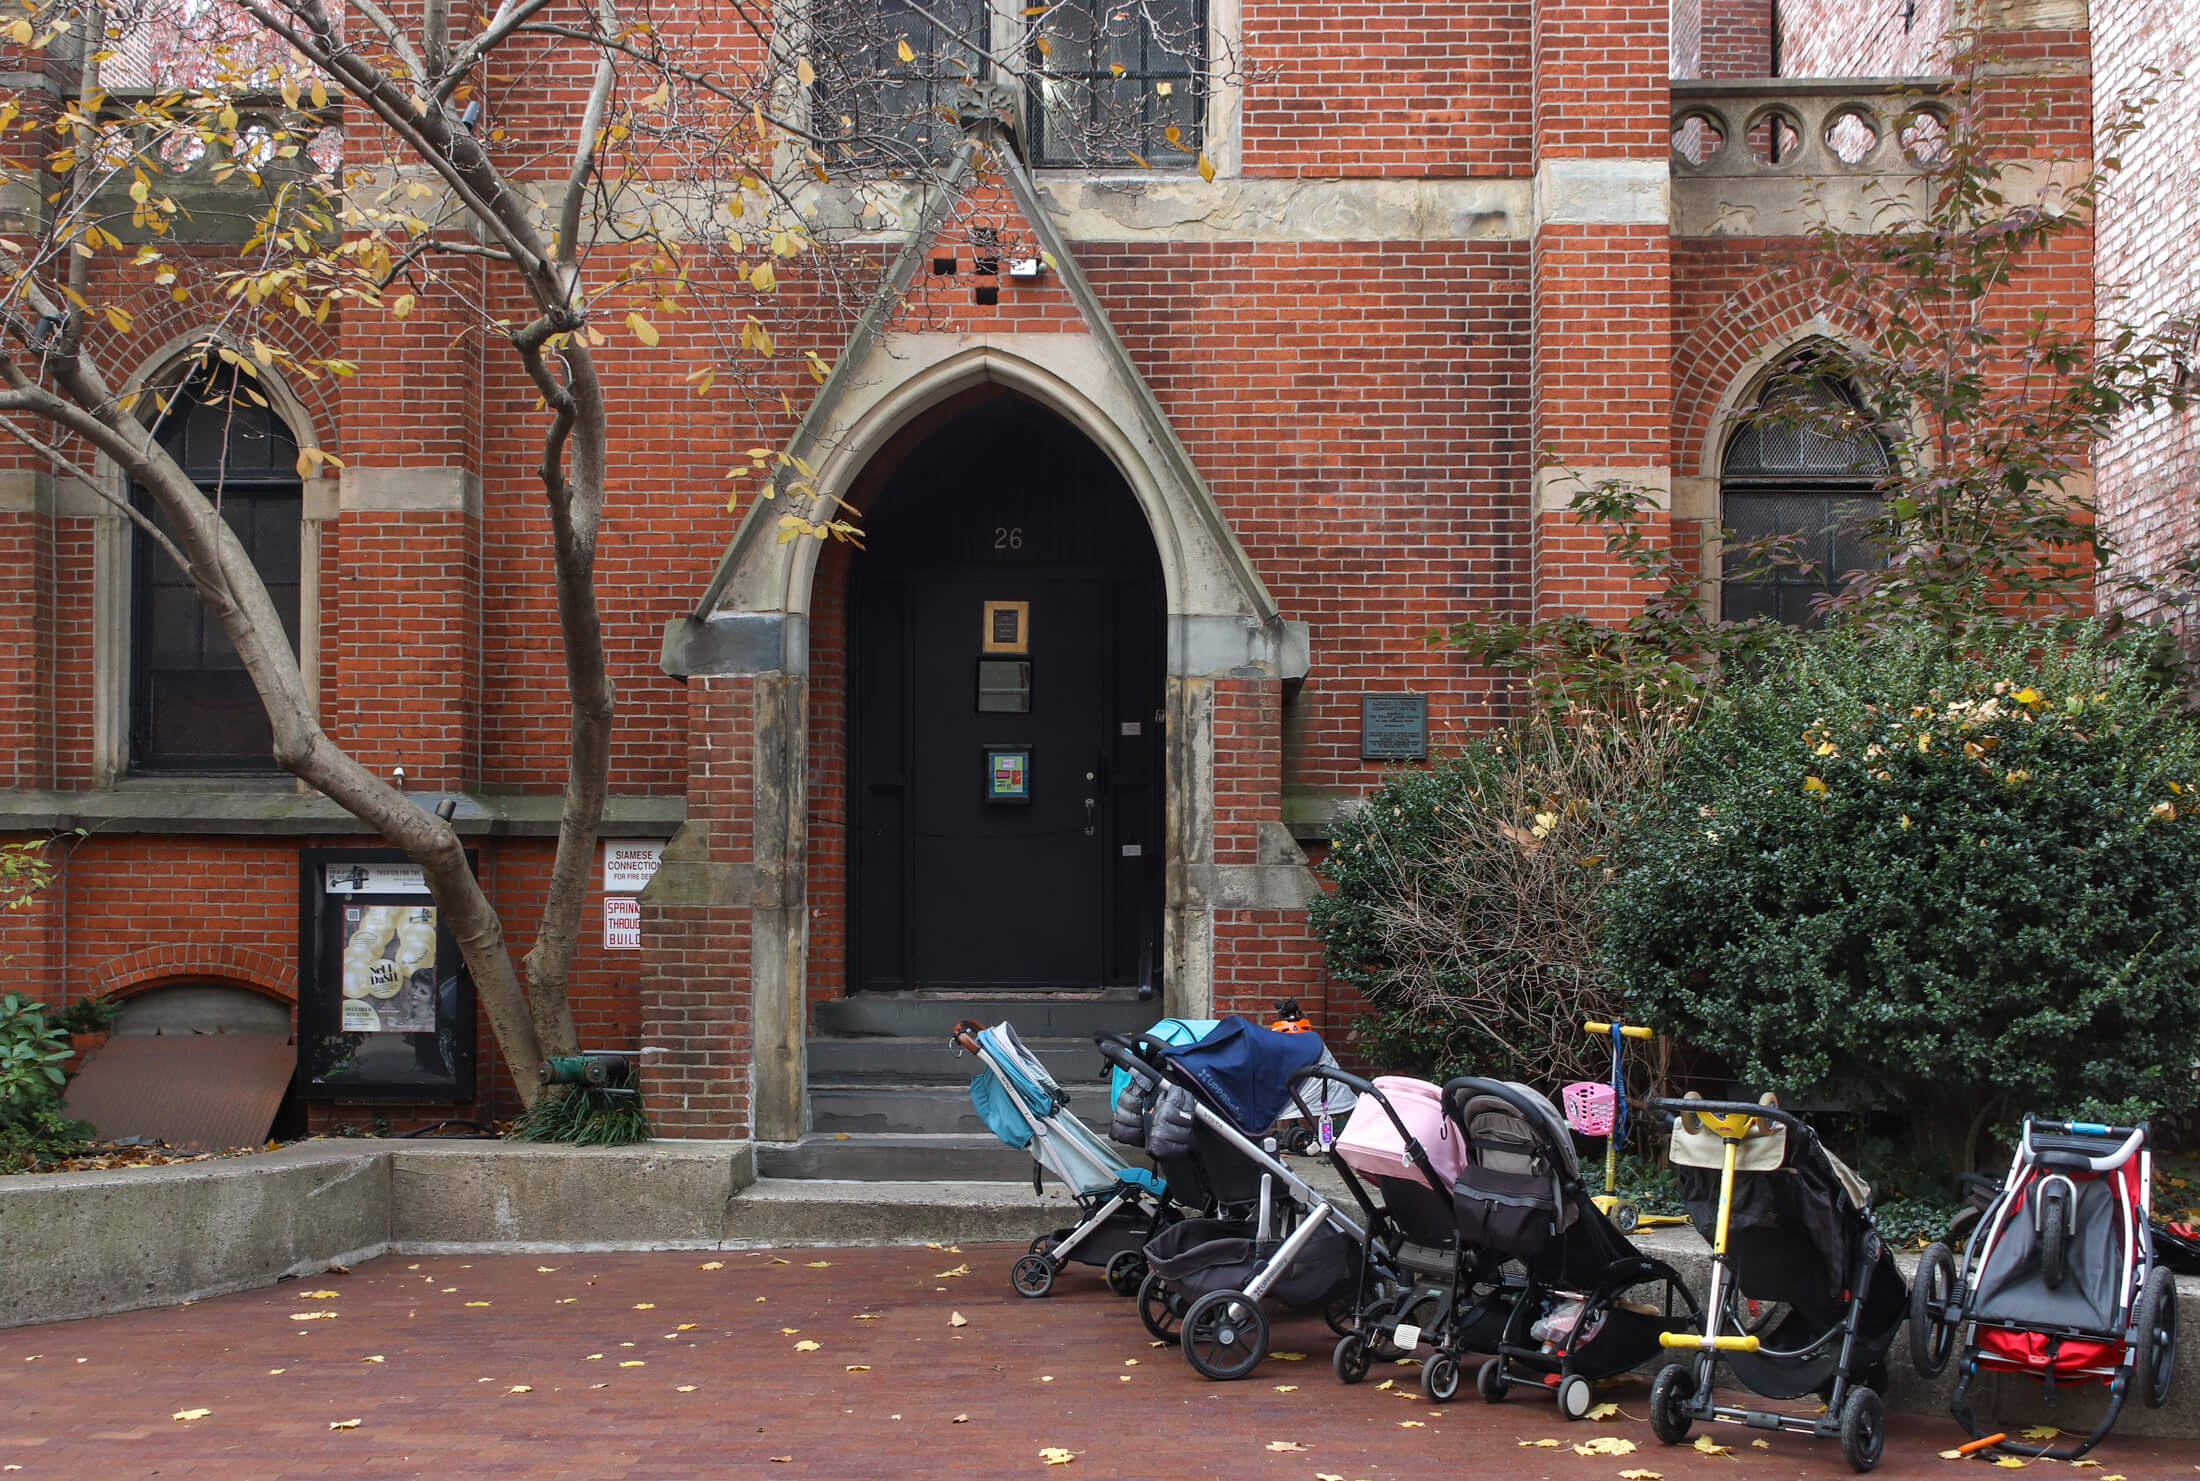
1246,1070
1168,1031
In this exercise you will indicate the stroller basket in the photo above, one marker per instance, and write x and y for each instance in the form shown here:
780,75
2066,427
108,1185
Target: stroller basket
1197,1256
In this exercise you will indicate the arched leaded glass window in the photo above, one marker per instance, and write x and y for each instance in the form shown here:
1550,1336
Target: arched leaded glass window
1793,470
192,706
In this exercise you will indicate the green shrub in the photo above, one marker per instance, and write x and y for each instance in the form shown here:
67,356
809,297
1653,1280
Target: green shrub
32,1052
1961,885
1466,899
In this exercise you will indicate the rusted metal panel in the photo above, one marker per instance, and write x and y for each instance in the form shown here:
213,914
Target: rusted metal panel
203,1092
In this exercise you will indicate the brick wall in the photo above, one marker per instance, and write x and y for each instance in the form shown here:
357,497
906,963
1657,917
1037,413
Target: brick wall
2147,240
1861,38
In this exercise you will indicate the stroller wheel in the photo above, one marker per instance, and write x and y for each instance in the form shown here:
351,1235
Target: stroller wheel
1033,1275
1351,1358
1041,1243
1574,1396
1932,1335
1673,1387
1126,1272
1225,1335
2156,1358
1863,1429
1490,1381
1342,1315
1440,1378
1158,1307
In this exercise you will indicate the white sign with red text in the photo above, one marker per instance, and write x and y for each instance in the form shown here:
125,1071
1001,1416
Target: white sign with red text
622,923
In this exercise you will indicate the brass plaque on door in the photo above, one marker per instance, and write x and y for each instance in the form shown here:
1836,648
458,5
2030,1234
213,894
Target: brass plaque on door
1007,627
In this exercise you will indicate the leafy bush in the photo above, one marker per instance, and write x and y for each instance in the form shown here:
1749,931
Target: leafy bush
32,1052
1960,883
94,1015
1467,898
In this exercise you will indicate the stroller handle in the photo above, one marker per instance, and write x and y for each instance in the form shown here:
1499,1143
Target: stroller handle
1350,1082
2134,1137
1116,1050
1674,1106
965,1035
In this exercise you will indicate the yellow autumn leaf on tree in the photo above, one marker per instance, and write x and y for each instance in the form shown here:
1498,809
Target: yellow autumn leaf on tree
1206,169
403,307
762,278
1813,784
646,332
903,50
805,72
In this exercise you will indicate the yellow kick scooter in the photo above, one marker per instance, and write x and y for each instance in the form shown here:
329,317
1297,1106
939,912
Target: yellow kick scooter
1595,1109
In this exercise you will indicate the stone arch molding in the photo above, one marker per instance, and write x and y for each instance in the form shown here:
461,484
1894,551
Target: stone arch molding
754,616
1748,380
112,549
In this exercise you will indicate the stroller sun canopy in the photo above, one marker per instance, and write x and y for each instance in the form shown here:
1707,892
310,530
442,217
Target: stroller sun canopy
1022,1105
1246,1070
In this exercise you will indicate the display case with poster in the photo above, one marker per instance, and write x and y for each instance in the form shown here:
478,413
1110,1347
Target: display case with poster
385,1007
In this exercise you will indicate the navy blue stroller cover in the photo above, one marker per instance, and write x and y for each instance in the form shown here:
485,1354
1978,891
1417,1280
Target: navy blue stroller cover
1246,1070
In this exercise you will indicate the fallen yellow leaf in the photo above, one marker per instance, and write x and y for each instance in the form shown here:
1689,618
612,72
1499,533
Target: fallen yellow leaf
780,1460
1602,1411
1705,1445
1288,1357
1388,1383
1761,1444
2042,1432
1606,1445
1281,1388
273,1371
805,1345
645,1306
951,1274
187,1415
1639,1474
545,1269
2008,1462
1539,1444
960,1419
685,1327
521,1388
633,1363
775,1260
865,1316
788,1331
820,1265
859,1367
685,1388
1287,1447
712,1265
957,1319
316,1295
1951,1455
1053,1455
1411,1424
343,1424
311,1316
477,1303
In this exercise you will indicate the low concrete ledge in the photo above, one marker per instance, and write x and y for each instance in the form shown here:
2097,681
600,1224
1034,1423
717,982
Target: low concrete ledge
80,1244
87,1243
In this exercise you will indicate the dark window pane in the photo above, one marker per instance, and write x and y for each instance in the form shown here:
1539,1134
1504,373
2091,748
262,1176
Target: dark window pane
192,706
1830,475
880,109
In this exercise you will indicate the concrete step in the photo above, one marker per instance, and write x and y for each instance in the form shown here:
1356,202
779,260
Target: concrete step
915,1061
873,1157
877,1107
1062,1015
787,1214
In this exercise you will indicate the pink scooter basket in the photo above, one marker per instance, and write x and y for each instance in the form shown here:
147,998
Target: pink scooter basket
1591,1107
1370,1144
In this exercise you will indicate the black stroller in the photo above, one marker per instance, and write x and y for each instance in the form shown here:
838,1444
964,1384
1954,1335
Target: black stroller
1790,1226
2061,1283
1519,1197
1272,1237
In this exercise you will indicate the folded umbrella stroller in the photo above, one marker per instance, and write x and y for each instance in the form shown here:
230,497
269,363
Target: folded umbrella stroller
1218,1099
1123,1206
2062,1284
1578,1315
1805,1297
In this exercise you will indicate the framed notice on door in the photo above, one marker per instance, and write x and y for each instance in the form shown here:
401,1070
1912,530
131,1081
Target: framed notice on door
1007,627
1008,773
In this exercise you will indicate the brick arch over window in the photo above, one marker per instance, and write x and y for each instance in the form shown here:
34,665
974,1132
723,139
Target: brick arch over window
156,966
1722,361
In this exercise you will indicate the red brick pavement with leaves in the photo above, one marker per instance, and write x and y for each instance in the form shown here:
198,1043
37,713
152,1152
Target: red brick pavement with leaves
696,1366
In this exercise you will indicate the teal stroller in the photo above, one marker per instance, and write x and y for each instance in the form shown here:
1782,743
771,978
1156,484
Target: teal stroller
1122,1207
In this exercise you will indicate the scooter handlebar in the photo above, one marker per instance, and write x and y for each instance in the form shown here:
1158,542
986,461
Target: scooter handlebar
1675,1106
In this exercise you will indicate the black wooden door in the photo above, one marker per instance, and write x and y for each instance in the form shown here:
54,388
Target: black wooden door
1058,883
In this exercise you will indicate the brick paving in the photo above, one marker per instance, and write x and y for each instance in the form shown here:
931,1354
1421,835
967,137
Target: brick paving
657,1366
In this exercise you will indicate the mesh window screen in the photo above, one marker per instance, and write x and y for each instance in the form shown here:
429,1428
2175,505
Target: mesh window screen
1800,468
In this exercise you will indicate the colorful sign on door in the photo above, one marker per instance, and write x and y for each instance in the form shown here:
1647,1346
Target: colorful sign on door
1008,774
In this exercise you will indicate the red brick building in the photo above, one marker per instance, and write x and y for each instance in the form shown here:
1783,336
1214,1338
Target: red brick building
1157,536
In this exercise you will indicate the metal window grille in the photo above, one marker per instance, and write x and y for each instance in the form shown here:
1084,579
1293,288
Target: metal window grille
878,110
1795,470
1115,79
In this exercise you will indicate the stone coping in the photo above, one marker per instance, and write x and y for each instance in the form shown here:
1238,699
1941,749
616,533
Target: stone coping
276,806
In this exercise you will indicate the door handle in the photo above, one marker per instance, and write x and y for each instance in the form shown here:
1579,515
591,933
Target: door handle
1091,804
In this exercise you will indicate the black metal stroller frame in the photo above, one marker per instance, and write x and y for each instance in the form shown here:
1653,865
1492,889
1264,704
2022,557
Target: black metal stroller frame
2145,1321
1514,1303
1685,1392
1224,1333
